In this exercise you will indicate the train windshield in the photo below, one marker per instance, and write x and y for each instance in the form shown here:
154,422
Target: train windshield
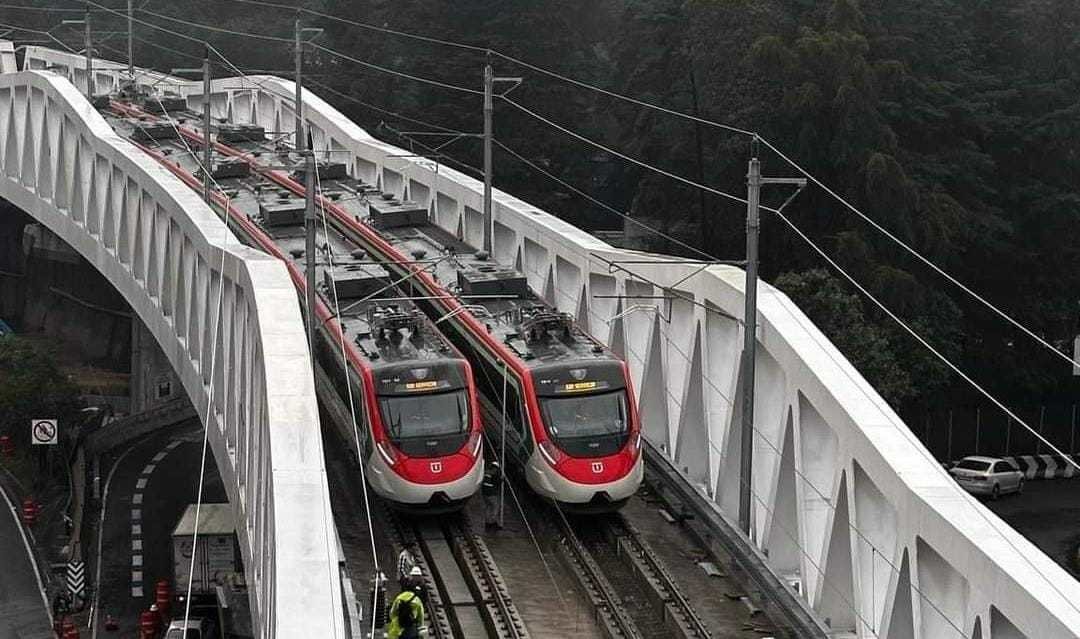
426,424
587,425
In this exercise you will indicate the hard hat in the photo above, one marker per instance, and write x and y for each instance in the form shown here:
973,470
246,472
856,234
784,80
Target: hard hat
415,572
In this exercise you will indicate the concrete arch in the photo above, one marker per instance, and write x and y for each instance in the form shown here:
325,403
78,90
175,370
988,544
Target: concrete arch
172,259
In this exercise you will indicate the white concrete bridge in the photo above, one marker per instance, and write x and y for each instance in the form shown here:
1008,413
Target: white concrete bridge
848,502
225,315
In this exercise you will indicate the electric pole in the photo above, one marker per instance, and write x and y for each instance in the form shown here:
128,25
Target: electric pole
489,112
489,108
208,149
298,105
754,181
746,442
309,252
89,59
131,49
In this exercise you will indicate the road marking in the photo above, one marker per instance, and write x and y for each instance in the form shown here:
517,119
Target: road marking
136,544
136,591
149,468
136,530
136,576
136,560
30,554
137,499
141,484
160,456
174,443
136,514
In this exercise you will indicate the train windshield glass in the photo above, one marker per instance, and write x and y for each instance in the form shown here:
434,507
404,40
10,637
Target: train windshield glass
425,416
587,425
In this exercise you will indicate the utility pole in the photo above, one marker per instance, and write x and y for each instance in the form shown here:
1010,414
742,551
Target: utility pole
298,104
754,181
208,148
489,108
489,112
298,59
131,48
89,59
753,226
309,252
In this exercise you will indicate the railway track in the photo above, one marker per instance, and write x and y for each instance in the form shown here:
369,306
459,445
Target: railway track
464,592
632,592
629,590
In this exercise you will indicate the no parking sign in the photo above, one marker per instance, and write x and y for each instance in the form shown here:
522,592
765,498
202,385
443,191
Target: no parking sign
43,432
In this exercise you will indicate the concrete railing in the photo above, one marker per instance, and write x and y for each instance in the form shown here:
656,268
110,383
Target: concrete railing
847,502
226,316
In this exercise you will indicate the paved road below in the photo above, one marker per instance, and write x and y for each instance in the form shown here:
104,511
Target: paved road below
22,611
152,485
1048,514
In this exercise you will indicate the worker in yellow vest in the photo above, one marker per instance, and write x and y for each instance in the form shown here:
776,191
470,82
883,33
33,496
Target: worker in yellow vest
407,611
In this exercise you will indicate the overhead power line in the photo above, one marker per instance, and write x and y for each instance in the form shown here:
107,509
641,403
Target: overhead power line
619,154
607,207
881,229
686,182
682,115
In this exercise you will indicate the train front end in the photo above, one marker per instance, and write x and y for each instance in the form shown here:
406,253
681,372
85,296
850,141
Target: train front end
588,437
425,427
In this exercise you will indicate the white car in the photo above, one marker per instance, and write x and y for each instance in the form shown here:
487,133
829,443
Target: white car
988,476
195,628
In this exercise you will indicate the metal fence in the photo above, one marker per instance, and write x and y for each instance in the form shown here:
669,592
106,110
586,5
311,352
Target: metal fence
984,430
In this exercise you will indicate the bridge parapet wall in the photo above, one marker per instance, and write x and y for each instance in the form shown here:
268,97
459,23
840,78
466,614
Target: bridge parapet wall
246,368
847,501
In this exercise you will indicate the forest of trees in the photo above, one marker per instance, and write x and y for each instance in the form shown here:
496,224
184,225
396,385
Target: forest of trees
955,124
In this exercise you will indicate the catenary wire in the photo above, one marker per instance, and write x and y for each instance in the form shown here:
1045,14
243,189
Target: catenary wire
779,213
600,203
373,107
328,50
817,249
619,154
919,256
364,25
1019,421
763,437
508,58
40,31
699,120
198,162
348,384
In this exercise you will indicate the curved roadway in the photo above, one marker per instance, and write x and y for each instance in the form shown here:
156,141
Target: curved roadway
23,614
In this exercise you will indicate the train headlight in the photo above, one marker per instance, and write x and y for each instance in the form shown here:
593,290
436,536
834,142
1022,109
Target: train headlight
474,444
551,453
387,451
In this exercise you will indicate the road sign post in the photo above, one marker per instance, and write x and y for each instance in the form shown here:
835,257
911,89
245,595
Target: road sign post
76,580
43,432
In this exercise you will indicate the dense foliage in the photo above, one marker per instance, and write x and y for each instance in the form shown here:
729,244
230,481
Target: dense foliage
31,387
953,123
